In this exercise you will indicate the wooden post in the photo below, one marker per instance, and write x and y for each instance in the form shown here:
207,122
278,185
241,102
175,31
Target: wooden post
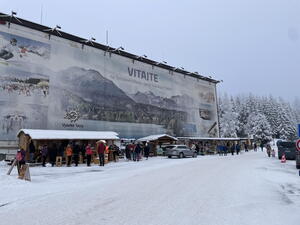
12,166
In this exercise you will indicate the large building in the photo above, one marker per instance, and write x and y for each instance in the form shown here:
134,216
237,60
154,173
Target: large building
53,80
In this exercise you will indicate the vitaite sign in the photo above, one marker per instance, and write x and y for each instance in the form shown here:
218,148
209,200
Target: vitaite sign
140,74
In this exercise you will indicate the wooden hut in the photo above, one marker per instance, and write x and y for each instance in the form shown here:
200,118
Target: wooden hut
156,141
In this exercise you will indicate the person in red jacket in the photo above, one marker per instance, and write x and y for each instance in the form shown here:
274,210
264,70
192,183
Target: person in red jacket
101,150
89,153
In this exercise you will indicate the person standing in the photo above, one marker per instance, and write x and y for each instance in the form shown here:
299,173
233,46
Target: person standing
146,150
220,149
132,150
197,148
262,146
20,157
269,150
115,152
69,153
31,151
101,150
246,147
127,152
44,154
76,150
238,148
52,154
59,155
83,151
255,147
88,153
232,149
225,150
21,153
138,150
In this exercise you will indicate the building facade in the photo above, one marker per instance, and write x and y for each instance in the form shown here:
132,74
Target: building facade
53,80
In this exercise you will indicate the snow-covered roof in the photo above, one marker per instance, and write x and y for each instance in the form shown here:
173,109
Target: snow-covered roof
211,139
37,134
156,137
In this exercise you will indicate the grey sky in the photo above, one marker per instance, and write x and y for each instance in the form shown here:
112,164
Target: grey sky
252,45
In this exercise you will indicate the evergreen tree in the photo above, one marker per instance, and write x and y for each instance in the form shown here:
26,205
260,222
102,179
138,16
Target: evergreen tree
259,127
260,116
228,118
287,128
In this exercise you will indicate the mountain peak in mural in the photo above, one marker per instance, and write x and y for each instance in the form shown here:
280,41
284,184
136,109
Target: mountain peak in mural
92,87
177,102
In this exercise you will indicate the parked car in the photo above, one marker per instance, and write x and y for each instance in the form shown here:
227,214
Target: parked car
288,148
180,151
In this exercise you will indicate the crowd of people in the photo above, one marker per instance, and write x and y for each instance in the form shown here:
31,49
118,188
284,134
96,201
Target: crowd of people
136,151
74,152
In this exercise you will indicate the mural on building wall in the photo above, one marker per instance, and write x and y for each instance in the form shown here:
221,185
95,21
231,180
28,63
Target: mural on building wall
54,84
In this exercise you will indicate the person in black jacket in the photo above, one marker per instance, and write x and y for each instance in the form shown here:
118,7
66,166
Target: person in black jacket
31,151
262,146
59,154
52,153
238,148
76,150
127,152
246,147
232,149
146,150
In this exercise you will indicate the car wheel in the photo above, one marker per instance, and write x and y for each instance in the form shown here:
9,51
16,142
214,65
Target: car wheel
169,156
298,166
181,155
195,155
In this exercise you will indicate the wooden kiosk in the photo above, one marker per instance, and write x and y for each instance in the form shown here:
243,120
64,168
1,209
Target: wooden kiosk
42,137
156,142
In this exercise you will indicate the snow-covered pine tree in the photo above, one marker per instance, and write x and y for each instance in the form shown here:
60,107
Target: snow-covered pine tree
228,118
287,127
296,108
259,127
243,113
270,108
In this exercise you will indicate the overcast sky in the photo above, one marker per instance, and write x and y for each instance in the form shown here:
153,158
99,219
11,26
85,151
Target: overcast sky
252,45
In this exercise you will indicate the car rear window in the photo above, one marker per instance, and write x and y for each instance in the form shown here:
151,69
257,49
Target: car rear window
287,144
169,147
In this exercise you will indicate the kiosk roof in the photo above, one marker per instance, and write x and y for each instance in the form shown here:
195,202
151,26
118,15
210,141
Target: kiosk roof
37,134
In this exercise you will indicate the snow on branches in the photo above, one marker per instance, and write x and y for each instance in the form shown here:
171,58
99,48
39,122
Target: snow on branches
260,117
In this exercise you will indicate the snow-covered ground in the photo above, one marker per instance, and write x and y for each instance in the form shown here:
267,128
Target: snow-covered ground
232,190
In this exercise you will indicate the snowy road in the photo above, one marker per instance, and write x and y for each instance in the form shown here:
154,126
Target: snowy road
246,189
